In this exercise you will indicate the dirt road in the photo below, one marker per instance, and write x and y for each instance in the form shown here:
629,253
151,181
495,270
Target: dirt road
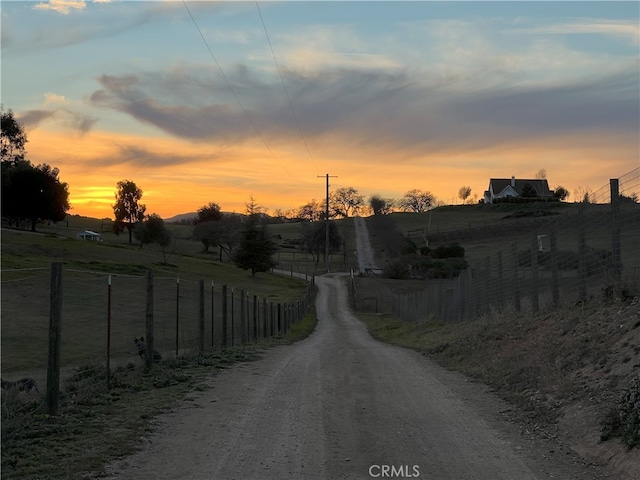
340,405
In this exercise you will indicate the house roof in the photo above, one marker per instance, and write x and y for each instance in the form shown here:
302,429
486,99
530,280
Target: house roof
541,186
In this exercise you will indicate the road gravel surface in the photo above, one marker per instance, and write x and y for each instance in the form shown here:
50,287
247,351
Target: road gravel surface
341,405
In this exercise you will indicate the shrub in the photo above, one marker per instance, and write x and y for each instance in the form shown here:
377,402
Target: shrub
408,247
624,420
397,270
439,267
448,251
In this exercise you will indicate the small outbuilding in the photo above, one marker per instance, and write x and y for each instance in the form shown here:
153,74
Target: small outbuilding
89,235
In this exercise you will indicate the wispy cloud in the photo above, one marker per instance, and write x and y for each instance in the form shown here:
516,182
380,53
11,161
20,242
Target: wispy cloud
61,6
65,117
617,28
373,107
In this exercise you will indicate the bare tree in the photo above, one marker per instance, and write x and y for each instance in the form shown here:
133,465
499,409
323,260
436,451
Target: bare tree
417,201
345,201
583,194
541,174
464,193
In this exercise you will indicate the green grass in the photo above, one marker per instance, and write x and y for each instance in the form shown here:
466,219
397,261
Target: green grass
95,424
38,446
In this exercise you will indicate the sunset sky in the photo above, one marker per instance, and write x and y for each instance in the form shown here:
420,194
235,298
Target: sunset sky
216,102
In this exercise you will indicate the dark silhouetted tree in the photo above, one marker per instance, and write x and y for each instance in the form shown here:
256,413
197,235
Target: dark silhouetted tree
561,193
345,202
28,192
311,211
256,249
464,193
153,230
12,137
417,201
381,206
33,193
128,210
224,233
314,239
528,191
209,212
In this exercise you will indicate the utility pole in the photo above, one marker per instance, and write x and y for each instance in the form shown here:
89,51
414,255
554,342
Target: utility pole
326,223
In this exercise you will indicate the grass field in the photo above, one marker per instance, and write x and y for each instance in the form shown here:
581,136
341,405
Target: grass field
65,446
96,424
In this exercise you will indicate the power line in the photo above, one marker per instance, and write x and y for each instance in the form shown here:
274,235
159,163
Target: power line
275,60
246,114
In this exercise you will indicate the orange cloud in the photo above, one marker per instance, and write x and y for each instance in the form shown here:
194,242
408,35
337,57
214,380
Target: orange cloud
179,176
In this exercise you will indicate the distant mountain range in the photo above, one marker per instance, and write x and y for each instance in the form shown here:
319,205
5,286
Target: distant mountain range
181,217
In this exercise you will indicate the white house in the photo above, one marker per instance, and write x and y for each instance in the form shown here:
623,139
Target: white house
512,187
89,235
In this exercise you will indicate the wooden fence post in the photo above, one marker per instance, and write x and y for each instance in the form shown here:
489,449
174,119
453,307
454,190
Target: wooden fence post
243,317
177,315
501,294
279,318
201,316
555,279
617,244
582,254
265,317
233,320
212,316
55,326
516,287
224,316
109,332
149,322
255,318
534,273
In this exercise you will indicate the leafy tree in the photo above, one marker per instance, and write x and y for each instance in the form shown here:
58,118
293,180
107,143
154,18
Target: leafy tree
314,236
464,193
345,201
33,193
209,212
256,248
255,210
28,192
12,137
417,201
153,230
528,191
311,211
381,206
224,233
561,193
128,210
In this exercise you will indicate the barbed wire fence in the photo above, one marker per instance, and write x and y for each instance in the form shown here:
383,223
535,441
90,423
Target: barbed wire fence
70,345
560,261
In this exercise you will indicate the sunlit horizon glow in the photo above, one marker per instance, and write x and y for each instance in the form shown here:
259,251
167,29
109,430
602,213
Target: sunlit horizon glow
385,96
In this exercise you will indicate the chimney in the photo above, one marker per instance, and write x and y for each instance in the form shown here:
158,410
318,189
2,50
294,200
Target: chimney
513,181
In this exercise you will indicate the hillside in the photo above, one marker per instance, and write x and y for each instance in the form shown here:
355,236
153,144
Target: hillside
564,369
